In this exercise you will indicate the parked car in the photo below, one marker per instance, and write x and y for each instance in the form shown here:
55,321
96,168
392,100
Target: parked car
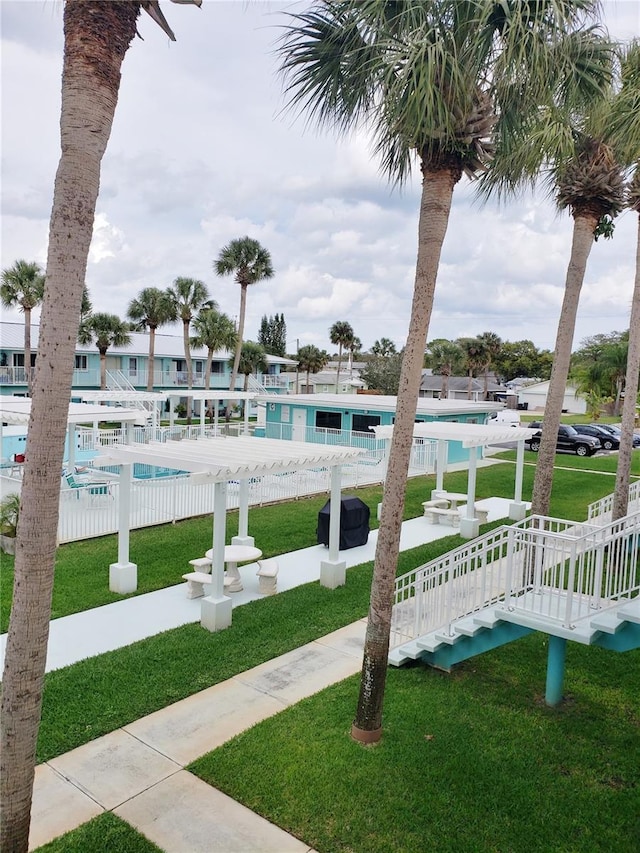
617,432
607,439
569,440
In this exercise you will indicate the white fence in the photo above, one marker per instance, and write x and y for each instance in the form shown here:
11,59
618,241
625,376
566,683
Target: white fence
555,569
603,508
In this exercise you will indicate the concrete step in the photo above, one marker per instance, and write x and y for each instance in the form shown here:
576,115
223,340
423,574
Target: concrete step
406,652
429,643
488,618
608,621
630,611
580,633
468,626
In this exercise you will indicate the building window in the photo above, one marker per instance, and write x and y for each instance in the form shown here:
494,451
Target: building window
133,366
217,367
361,423
81,362
328,420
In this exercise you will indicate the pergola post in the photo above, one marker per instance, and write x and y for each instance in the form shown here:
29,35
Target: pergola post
518,509
555,669
469,524
333,572
123,575
441,464
215,612
243,537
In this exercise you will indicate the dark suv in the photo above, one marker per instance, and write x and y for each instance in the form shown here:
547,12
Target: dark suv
607,439
569,440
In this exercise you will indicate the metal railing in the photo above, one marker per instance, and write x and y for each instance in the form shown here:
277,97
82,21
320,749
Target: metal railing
604,507
553,569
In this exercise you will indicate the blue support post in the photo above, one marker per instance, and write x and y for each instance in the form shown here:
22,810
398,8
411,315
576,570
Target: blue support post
555,669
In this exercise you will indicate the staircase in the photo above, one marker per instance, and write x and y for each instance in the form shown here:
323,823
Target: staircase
118,381
573,581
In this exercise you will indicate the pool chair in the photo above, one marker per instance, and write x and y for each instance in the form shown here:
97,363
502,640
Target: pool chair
94,489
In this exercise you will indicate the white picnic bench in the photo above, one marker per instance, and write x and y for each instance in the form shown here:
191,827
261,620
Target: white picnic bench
438,511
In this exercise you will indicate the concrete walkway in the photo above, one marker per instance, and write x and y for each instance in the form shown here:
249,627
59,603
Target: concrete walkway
138,770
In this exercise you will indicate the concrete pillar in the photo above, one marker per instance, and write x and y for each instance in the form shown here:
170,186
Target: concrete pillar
123,575
333,572
555,669
215,609
243,537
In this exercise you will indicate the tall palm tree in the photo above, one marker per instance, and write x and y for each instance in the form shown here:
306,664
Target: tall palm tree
383,347
311,359
252,360
107,330
96,38
250,263
353,349
474,359
626,129
23,285
429,79
445,358
341,333
215,331
187,297
151,309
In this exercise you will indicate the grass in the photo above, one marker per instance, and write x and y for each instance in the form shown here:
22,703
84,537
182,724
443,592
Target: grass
472,761
106,833
161,553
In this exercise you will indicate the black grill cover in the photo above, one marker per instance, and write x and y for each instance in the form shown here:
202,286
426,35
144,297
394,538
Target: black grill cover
354,523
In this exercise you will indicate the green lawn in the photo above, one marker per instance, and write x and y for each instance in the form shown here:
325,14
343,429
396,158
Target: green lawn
106,833
162,553
472,761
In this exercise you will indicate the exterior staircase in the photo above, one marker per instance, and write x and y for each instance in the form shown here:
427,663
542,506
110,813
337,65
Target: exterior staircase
572,581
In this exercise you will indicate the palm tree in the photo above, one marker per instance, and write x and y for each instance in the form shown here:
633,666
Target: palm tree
250,263
215,331
626,129
252,360
353,348
188,296
311,360
23,285
445,358
383,348
107,330
492,344
96,38
341,333
430,79
149,310
474,357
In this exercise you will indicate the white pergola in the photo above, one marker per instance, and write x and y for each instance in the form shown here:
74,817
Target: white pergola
471,436
17,411
219,460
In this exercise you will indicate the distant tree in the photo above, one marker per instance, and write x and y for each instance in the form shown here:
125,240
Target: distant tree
383,347
107,330
492,344
353,349
522,359
474,357
311,360
599,367
23,285
273,335
252,360
383,374
445,358
341,333
250,263
215,331
188,296
151,309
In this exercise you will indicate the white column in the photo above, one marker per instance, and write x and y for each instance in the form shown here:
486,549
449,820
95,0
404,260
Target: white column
215,612
518,509
469,525
203,413
71,446
243,537
246,417
333,572
441,467
123,575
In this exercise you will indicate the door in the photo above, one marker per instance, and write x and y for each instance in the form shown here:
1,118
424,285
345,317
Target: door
299,424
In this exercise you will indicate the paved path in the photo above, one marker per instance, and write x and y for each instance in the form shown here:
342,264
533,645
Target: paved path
138,770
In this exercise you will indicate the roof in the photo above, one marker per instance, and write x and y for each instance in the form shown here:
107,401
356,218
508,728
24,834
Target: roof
471,435
167,346
426,406
434,381
229,457
17,410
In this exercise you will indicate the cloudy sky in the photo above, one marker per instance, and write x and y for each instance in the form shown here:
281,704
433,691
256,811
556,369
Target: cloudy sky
201,153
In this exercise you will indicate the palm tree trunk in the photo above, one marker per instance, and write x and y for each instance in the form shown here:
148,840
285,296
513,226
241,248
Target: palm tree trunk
152,357
27,348
97,36
583,228
103,370
435,205
236,358
339,366
623,473
207,372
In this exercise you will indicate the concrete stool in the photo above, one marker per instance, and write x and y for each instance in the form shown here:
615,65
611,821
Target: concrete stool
201,564
267,576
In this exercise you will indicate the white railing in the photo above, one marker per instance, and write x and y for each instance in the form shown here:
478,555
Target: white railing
604,507
552,568
15,375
